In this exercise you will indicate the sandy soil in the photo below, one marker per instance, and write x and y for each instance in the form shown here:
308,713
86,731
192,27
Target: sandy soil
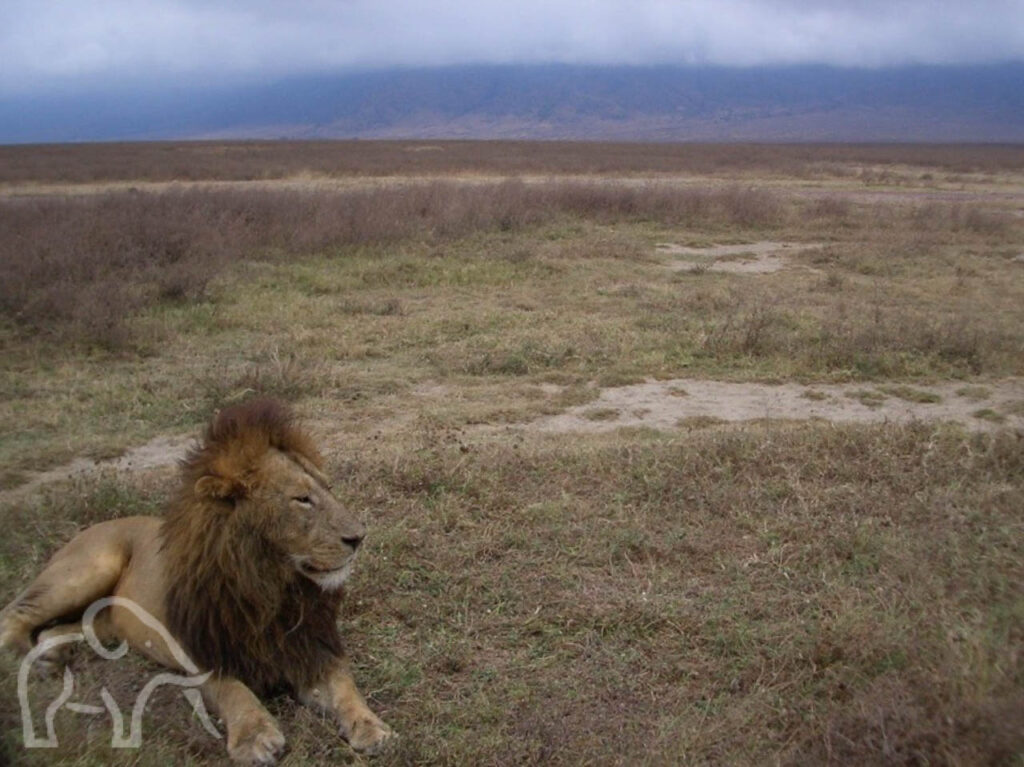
753,258
686,402
679,404
159,453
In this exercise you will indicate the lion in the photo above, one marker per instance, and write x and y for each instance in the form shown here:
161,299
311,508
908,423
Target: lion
245,570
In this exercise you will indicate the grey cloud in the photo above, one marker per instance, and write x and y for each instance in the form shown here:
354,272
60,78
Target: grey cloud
56,41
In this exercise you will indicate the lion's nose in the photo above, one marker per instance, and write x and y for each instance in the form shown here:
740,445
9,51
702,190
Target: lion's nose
353,541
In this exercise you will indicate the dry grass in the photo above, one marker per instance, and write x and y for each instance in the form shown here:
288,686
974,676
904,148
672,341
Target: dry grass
719,593
849,594
988,414
84,268
910,394
358,295
874,164
974,393
109,256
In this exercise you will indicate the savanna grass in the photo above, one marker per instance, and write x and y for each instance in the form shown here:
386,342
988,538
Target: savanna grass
849,594
83,268
86,266
876,164
356,296
713,594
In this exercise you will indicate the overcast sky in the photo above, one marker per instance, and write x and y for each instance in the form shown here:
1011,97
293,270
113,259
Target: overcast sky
48,44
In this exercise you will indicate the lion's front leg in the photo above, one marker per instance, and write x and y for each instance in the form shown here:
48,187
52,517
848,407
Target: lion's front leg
337,693
253,734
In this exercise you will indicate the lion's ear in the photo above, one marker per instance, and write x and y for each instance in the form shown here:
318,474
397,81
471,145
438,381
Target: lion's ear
220,488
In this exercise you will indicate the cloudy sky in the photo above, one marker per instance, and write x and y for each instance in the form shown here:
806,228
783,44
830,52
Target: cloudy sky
50,44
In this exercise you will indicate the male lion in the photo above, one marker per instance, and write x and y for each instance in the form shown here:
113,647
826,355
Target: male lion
245,570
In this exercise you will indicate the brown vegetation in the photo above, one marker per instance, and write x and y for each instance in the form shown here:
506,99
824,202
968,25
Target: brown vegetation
251,160
86,265
811,595
715,592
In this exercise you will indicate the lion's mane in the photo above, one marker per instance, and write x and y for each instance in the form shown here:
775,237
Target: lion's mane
233,599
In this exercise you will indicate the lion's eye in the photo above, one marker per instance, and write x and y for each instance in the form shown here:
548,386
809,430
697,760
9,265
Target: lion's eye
305,500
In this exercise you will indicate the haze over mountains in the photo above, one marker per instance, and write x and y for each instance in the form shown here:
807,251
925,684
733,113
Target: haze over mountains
978,103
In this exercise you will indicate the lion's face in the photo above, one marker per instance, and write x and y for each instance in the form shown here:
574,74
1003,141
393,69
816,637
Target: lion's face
305,520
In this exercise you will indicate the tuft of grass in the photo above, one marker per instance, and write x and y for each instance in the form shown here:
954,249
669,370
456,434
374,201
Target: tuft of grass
834,281
974,393
1014,407
868,397
694,422
602,414
273,374
910,394
12,478
988,414
390,307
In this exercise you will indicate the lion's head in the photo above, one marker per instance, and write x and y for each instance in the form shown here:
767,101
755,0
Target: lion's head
256,548
301,517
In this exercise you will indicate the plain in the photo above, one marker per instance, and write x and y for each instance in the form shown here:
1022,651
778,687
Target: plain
600,589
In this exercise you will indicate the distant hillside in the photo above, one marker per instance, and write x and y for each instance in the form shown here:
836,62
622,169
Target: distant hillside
800,103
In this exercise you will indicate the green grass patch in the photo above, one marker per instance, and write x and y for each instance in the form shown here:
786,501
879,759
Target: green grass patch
813,395
602,414
868,397
988,414
911,394
974,393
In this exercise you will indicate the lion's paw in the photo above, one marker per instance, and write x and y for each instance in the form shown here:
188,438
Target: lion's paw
52,660
256,742
48,666
369,736
14,638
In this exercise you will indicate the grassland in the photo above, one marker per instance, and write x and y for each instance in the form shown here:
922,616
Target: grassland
763,593
925,164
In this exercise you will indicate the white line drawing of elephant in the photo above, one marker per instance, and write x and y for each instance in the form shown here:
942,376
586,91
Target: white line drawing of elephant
119,739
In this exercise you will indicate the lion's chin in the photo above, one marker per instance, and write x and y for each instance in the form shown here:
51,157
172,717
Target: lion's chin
328,580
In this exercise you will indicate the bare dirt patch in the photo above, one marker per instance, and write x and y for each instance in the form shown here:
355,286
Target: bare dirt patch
160,453
663,405
750,258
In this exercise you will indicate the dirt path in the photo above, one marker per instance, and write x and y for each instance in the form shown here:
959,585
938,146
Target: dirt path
158,453
683,403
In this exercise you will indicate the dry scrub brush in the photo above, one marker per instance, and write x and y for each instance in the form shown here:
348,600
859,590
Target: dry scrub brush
85,265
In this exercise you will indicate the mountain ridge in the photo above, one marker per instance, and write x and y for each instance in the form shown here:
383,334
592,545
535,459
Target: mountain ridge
981,103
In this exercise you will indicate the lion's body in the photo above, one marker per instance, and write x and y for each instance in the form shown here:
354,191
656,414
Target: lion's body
117,558
244,570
